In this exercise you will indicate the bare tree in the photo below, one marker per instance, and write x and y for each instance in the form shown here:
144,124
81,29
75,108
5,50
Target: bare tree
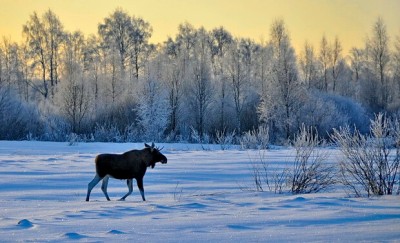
2,60
378,50
308,65
92,65
395,68
153,110
44,36
56,36
220,40
174,80
239,70
36,38
324,58
336,61
279,104
75,99
200,88
179,57
139,39
356,65
115,33
6,64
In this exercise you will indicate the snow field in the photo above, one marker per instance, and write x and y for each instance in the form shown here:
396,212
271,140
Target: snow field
198,196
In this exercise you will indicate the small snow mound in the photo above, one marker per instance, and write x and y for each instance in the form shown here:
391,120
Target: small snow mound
74,236
25,223
116,232
299,199
194,205
239,227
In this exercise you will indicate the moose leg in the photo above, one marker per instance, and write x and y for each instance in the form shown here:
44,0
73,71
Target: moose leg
129,183
104,187
139,182
92,184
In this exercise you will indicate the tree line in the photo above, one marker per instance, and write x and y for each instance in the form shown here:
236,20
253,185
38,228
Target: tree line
117,86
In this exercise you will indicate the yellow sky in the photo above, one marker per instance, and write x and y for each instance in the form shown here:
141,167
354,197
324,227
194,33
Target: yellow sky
350,20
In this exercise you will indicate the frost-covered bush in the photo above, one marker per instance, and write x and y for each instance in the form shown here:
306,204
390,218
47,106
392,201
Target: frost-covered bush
326,111
255,139
266,179
197,138
55,128
17,120
224,138
310,172
107,133
72,139
371,161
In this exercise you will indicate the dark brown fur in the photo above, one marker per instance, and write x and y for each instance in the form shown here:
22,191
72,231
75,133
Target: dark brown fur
129,165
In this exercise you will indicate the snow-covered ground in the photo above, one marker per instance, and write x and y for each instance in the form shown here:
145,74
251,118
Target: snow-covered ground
198,196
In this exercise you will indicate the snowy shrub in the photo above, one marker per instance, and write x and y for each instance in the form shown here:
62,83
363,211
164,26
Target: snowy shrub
326,111
131,133
224,138
200,139
266,180
17,119
55,127
72,139
311,172
255,139
371,161
107,133
197,138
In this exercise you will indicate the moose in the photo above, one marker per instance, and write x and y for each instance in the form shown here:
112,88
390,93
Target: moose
127,166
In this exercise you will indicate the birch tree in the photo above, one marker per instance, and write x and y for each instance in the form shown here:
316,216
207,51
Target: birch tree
378,51
200,88
220,40
279,105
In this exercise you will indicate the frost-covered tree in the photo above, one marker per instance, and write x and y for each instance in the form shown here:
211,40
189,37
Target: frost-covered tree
115,35
173,78
282,100
379,58
153,110
395,70
55,38
239,72
200,89
139,39
336,62
357,64
74,101
220,40
324,59
92,65
309,66
178,58
45,36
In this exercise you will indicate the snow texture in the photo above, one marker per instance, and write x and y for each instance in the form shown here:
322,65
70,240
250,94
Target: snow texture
196,197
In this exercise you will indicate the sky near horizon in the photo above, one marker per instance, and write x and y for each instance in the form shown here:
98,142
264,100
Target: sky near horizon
307,20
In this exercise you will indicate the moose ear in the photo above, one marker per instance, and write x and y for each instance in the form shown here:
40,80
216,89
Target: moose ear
146,145
152,145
